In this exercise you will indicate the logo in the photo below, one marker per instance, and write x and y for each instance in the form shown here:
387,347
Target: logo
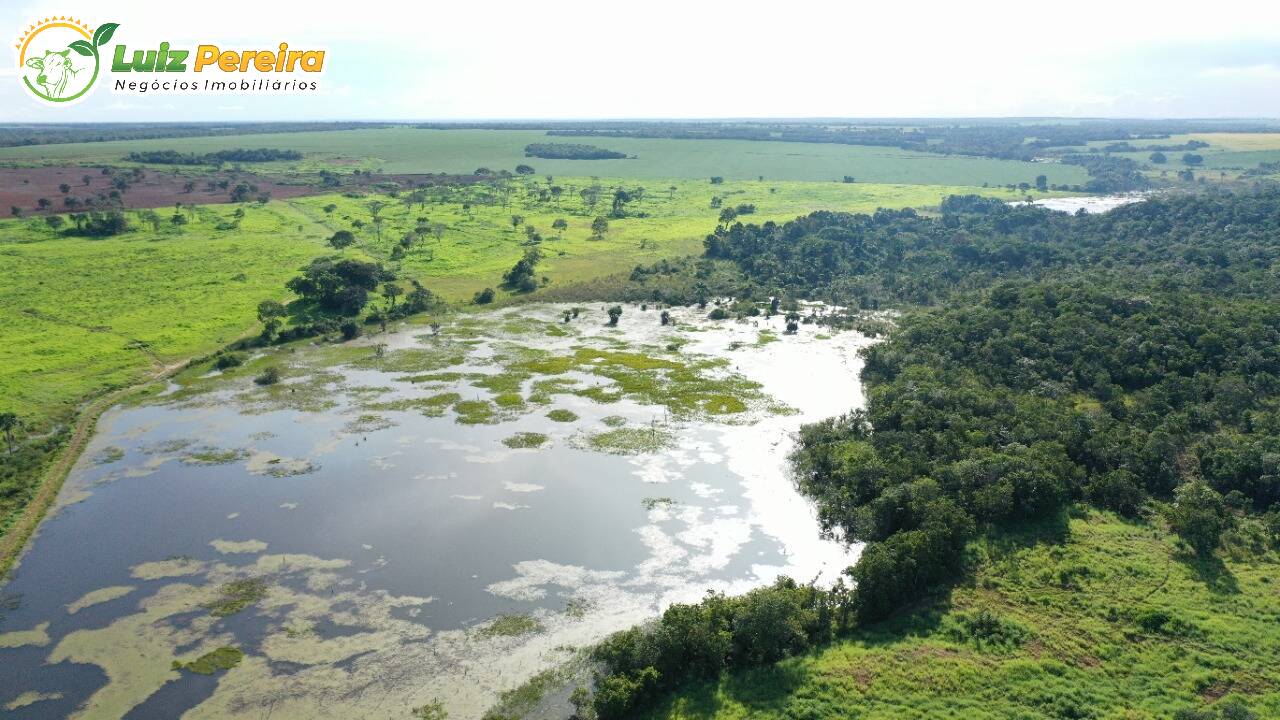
59,57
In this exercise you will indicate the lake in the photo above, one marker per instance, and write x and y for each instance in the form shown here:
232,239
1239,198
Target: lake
420,515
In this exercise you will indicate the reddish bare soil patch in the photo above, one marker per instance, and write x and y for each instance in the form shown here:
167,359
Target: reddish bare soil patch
23,187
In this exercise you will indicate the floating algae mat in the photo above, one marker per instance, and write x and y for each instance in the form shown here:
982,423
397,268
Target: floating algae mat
418,518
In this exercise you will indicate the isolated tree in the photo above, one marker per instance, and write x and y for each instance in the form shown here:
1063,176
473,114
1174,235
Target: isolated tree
516,220
55,222
484,297
1192,159
391,291
378,220
524,170
188,186
615,314
438,229
328,209
1158,158
1042,183
9,424
620,199
728,215
342,239
559,225
1199,516
270,313
599,227
65,188
671,192
44,203
87,179
15,211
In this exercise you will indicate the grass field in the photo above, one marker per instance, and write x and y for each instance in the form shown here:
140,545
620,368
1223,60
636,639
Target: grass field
1104,619
1231,153
481,243
409,150
80,315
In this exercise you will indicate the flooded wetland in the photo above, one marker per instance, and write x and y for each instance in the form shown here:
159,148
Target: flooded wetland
435,514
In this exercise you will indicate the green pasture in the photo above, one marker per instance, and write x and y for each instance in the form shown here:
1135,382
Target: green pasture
78,315
672,218
409,150
1102,618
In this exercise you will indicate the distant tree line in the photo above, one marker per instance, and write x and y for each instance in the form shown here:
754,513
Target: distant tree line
219,157
42,134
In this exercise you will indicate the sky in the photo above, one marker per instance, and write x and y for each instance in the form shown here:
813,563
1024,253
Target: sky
591,59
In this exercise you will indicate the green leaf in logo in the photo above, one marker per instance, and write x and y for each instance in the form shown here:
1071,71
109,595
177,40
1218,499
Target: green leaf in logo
82,47
104,33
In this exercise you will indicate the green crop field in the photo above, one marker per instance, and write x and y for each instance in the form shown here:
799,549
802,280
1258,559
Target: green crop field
80,315
1104,620
409,150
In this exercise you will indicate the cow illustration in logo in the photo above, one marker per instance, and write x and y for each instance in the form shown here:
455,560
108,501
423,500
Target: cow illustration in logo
58,57
56,70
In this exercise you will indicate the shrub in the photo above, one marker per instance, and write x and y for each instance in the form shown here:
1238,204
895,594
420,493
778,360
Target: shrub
228,360
350,330
270,376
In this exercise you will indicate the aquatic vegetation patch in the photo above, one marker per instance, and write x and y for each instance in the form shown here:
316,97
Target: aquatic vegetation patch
367,423
630,440
108,455
415,360
441,377
475,412
37,636
237,595
503,382
513,625
614,421
312,393
562,415
167,568
651,503
99,596
526,440
232,547
214,456
29,698
509,400
577,608
268,463
765,337
168,447
723,405
523,699
223,658
600,394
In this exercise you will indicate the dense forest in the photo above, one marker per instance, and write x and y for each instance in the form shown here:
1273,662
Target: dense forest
1129,360
571,151
173,157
